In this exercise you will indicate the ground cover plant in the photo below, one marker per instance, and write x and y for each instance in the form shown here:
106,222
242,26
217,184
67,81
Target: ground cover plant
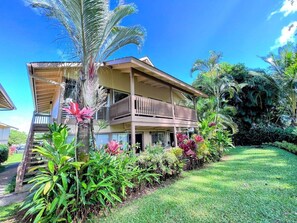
286,146
250,185
9,211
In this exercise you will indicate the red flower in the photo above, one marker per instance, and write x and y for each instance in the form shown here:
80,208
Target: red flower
198,138
80,115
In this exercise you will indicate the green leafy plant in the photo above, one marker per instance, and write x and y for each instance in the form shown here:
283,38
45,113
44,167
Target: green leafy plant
3,153
53,197
156,160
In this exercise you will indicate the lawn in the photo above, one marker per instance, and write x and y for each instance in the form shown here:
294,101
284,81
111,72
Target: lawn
250,185
15,158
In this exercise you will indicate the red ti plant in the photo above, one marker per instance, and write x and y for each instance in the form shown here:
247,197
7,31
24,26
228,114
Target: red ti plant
113,148
189,146
80,115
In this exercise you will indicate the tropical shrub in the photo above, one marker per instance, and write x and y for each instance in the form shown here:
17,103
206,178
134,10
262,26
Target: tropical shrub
69,191
54,195
3,153
156,160
259,134
286,146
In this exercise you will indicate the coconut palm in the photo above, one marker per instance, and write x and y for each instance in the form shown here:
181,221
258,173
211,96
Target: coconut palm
95,31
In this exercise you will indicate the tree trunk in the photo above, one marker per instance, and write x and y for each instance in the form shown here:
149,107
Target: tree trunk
83,137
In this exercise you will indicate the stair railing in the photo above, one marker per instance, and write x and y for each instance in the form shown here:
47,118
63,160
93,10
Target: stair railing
23,165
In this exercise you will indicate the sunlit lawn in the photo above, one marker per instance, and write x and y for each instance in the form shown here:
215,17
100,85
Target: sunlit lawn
15,158
252,185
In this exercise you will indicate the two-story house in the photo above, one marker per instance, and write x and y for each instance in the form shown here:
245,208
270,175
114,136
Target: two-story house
144,104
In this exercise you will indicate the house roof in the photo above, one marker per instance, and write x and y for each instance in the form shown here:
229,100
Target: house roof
3,125
46,76
5,101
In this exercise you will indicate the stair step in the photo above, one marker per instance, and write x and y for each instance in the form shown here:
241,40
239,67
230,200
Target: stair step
33,163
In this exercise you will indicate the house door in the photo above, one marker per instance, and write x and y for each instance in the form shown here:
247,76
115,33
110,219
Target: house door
138,139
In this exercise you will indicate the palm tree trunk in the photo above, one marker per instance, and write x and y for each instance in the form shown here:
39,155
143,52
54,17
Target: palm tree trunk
83,137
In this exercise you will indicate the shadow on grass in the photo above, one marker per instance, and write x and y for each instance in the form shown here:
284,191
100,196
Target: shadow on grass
254,185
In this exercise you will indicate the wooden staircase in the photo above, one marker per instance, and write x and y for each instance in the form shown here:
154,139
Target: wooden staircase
32,160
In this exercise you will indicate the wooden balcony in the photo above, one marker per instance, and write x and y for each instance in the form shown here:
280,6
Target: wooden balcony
40,122
152,111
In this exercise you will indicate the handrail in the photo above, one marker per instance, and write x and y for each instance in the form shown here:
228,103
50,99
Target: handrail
120,108
41,118
148,106
184,113
23,165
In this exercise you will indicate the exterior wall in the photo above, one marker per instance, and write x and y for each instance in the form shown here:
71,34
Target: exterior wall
4,135
55,106
119,81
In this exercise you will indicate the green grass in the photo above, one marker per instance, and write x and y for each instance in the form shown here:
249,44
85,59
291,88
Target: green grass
9,211
253,185
15,158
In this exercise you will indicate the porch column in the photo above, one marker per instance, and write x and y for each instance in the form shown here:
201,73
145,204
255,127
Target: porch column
132,106
175,139
132,93
172,105
133,138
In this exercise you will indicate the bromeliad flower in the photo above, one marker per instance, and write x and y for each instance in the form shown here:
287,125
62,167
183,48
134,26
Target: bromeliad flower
80,115
113,148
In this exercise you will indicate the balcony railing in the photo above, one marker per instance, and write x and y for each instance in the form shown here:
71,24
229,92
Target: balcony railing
147,107
41,118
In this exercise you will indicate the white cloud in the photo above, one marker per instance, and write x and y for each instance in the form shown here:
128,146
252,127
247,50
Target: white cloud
289,7
287,35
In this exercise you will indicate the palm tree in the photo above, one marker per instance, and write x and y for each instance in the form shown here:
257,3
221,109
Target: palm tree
284,68
96,33
213,80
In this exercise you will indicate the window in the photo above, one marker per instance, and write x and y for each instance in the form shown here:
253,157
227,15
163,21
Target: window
119,95
158,137
69,88
101,140
122,138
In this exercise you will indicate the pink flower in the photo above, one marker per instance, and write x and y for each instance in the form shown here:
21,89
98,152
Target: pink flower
113,148
80,115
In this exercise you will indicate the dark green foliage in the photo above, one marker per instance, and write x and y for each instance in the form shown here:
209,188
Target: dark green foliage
10,188
3,153
257,100
259,134
286,146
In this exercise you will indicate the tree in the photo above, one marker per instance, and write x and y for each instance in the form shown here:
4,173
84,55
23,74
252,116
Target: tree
284,68
218,85
258,99
17,137
96,33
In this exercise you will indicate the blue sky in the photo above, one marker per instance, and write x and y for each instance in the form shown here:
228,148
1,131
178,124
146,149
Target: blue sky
178,32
